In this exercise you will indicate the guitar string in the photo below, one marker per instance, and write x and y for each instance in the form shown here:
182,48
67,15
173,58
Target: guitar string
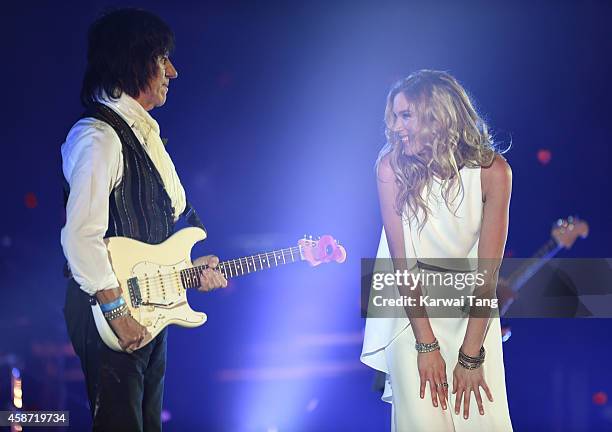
239,263
156,282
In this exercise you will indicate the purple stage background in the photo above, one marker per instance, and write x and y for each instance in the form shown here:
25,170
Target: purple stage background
274,124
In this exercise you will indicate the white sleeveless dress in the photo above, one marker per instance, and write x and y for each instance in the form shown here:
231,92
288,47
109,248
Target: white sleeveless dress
389,342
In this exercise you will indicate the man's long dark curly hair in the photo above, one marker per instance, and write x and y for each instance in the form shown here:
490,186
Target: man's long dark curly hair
123,49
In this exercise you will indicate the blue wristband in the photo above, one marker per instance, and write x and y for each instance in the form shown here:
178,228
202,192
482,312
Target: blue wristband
107,307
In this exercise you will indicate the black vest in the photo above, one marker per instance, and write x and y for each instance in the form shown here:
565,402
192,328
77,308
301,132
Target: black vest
139,206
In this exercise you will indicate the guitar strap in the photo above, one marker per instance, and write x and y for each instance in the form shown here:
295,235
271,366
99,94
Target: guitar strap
192,217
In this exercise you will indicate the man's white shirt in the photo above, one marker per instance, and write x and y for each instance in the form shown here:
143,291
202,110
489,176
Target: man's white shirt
92,163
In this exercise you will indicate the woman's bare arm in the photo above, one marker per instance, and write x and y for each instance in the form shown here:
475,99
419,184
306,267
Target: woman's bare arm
387,193
497,188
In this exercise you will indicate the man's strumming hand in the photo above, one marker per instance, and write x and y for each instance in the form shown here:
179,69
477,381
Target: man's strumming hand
131,333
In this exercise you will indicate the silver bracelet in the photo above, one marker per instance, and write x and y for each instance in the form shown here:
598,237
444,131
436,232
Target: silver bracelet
470,366
469,362
117,312
427,347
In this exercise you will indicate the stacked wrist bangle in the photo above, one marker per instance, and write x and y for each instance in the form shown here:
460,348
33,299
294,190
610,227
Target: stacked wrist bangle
115,309
471,362
427,347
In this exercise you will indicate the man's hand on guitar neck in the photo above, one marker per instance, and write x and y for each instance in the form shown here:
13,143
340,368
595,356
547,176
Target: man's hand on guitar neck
129,332
210,278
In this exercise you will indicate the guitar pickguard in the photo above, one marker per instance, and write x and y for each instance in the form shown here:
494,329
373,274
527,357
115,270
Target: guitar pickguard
156,285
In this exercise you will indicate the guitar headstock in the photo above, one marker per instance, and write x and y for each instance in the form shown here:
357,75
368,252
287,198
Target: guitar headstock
566,231
322,250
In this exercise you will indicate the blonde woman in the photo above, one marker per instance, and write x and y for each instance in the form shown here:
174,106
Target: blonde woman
444,192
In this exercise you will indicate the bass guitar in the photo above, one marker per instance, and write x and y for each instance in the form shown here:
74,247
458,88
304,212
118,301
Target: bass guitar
563,235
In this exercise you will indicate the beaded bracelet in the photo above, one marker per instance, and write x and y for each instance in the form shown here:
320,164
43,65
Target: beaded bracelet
427,347
117,312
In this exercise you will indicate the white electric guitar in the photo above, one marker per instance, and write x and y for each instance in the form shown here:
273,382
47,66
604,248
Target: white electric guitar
154,278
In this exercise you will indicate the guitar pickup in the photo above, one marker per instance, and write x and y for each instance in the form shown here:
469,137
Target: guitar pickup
134,290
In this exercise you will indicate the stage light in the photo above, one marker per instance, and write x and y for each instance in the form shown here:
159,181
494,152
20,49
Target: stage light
16,389
30,200
166,416
600,398
544,156
506,333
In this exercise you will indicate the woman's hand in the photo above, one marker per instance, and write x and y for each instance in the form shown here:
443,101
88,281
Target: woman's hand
466,381
432,369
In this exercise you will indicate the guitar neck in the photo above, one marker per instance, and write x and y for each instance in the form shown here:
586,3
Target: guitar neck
245,265
520,276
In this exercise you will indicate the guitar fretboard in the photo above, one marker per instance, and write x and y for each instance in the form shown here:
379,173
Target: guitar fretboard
521,275
241,266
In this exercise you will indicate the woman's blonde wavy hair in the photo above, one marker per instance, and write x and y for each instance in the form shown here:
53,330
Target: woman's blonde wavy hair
451,135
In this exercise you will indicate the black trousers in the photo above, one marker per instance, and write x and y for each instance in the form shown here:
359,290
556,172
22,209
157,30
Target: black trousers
125,390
